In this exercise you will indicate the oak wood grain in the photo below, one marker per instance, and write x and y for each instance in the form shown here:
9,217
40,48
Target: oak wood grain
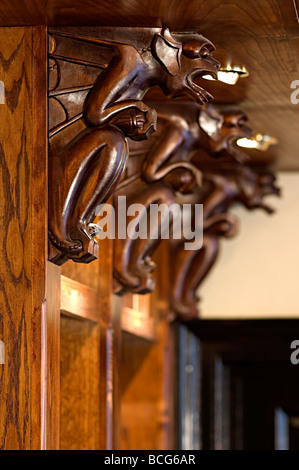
261,16
15,243
23,234
87,274
81,383
94,347
39,222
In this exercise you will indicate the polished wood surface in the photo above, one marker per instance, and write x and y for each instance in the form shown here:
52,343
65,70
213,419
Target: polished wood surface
226,183
39,235
79,300
268,14
81,382
16,229
51,360
22,235
147,378
145,419
40,382
91,319
136,316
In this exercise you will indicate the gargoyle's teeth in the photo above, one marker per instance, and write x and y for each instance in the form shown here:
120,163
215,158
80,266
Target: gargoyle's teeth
213,75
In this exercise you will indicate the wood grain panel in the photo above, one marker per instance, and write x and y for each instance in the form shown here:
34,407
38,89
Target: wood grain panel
15,239
148,377
136,316
85,274
97,349
51,362
39,224
22,234
80,385
145,410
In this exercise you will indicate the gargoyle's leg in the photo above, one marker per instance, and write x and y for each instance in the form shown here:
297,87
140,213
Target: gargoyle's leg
155,166
132,258
104,172
81,177
189,270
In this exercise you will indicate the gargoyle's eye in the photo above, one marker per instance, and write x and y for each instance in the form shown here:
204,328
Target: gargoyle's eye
242,122
204,53
192,49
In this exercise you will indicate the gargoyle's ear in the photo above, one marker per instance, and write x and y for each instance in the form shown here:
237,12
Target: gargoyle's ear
167,51
211,122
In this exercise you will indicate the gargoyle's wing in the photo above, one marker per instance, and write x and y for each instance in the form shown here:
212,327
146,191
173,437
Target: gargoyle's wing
75,63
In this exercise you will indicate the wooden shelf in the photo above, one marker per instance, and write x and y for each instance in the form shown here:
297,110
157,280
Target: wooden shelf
79,300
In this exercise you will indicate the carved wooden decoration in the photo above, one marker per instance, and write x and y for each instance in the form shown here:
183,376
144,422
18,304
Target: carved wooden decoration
193,153
155,174
224,184
239,185
160,169
98,78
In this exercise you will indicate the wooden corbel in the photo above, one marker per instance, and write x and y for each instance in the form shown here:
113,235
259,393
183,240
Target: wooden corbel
160,169
225,183
156,172
97,80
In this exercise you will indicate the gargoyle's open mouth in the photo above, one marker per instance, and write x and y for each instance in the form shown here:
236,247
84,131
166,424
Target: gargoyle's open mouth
235,151
202,95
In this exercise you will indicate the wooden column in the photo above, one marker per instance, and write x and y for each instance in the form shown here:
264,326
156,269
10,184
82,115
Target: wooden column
23,202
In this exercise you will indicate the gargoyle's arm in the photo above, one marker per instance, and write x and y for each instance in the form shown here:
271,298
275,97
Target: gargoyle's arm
118,89
218,198
171,139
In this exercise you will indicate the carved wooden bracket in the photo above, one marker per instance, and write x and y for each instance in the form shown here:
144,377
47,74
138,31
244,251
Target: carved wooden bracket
160,169
221,190
225,183
182,158
156,173
97,80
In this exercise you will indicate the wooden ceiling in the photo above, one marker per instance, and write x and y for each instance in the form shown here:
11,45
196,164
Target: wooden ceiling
263,35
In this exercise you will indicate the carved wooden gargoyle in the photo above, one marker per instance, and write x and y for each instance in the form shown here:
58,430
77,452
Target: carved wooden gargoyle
98,78
221,128
225,183
160,169
155,174
221,190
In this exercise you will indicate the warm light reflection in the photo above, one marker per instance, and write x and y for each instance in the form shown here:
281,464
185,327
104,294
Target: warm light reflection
259,142
247,143
229,75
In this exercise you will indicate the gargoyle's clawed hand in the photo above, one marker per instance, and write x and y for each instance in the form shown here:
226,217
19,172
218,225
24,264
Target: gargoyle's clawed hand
137,123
